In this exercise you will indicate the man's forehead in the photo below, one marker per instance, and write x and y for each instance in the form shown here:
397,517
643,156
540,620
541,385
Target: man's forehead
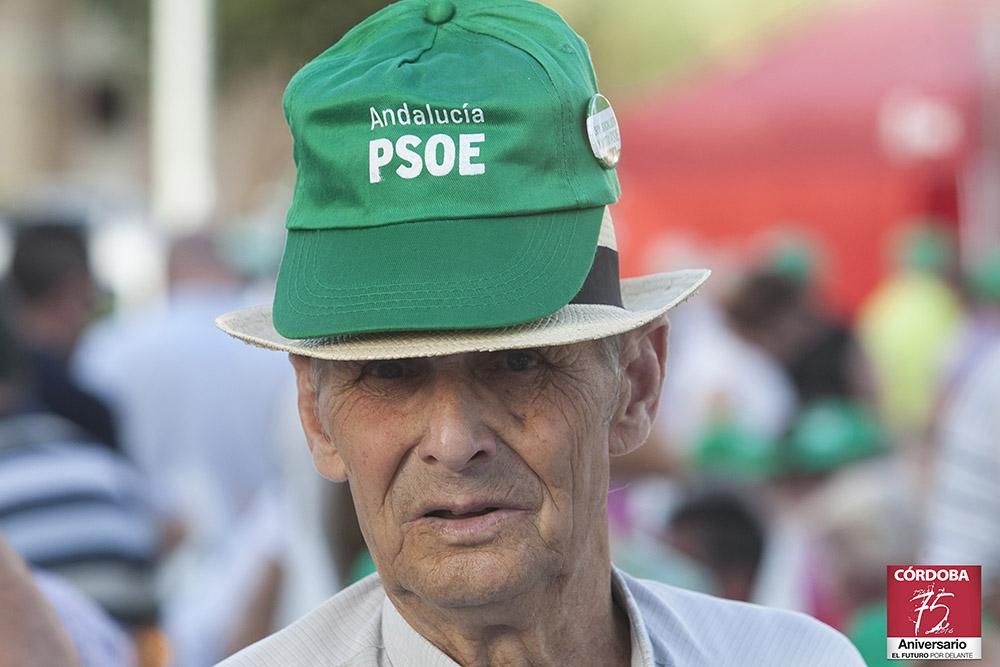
554,351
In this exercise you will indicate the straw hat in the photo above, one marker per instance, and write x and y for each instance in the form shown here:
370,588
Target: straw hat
643,300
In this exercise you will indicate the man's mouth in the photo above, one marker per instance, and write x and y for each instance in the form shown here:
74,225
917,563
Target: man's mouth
448,514
463,523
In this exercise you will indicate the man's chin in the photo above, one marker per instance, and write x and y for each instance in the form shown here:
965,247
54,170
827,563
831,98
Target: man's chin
474,578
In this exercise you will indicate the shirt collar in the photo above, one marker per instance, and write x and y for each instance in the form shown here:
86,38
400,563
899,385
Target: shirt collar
642,648
405,646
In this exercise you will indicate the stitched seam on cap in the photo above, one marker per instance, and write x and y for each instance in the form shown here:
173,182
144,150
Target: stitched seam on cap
554,90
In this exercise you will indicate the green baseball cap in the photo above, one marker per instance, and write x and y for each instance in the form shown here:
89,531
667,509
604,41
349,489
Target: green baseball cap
445,176
724,450
829,433
455,163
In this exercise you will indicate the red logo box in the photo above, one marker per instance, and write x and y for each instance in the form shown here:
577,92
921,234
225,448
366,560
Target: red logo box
934,612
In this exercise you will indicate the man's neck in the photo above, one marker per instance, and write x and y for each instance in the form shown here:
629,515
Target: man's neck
570,622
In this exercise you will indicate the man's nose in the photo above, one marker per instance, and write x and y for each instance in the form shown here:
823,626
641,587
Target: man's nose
456,436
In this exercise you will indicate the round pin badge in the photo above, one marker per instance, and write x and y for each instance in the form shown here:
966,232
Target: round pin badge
602,129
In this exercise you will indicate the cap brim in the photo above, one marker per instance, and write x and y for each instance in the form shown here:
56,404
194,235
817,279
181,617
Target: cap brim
644,298
433,274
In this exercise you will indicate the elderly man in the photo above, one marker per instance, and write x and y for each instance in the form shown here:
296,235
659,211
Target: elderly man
468,360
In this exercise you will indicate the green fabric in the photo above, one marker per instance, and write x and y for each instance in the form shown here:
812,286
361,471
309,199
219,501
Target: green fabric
984,278
867,631
830,433
387,235
361,567
726,451
394,278
795,259
649,559
926,249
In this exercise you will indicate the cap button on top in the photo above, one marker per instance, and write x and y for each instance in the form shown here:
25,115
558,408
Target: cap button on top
439,11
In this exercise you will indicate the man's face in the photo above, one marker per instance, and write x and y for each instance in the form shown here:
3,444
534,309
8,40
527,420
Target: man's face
475,476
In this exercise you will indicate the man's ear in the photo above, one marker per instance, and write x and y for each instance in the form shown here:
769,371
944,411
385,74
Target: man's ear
325,456
642,361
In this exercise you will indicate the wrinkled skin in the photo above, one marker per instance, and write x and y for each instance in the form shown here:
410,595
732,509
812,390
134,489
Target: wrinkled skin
526,431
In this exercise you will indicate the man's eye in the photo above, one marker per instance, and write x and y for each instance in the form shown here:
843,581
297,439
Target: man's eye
521,360
385,370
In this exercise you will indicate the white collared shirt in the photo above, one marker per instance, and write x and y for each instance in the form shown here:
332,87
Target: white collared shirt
405,646
670,627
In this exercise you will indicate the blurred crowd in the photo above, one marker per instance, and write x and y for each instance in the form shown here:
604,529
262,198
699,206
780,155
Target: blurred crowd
154,479
798,453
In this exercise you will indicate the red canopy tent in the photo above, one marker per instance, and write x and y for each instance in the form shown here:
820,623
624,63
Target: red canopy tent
865,118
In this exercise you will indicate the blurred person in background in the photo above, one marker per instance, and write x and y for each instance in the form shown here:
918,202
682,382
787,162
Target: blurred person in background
827,439
963,515
730,374
719,530
79,511
822,356
765,309
724,402
151,366
202,419
979,331
906,326
743,400
54,299
865,518
727,400
770,351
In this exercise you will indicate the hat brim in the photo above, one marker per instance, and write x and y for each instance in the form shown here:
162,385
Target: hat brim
645,298
431,275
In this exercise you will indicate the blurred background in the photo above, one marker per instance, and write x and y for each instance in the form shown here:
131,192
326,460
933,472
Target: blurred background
832,396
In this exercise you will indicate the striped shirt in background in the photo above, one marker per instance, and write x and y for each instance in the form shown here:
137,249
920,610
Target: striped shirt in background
79,510
964,513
